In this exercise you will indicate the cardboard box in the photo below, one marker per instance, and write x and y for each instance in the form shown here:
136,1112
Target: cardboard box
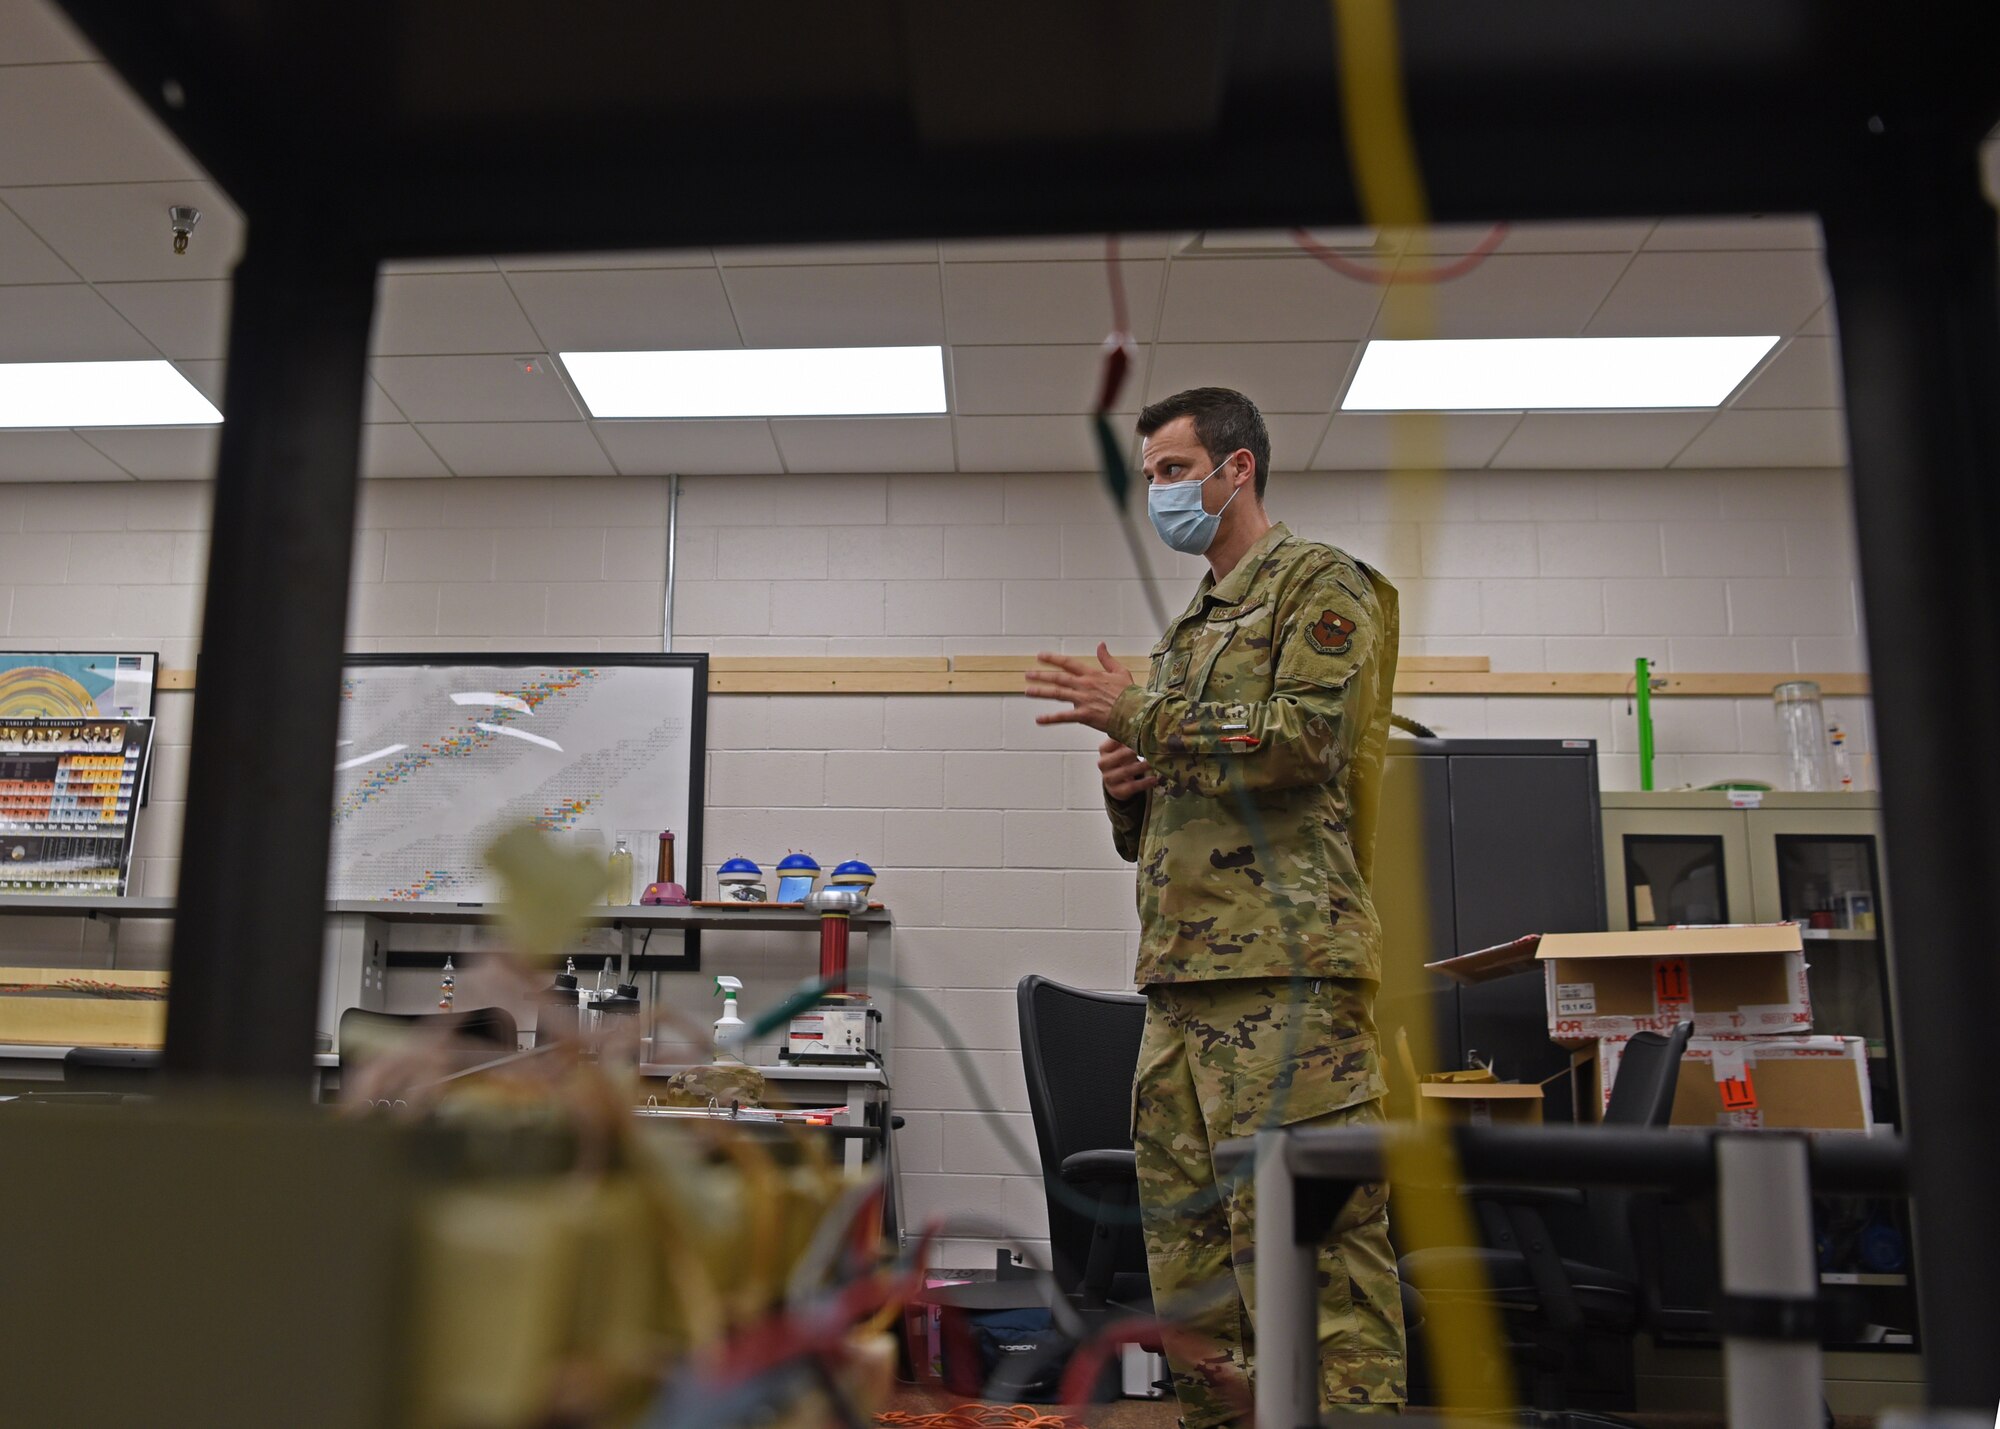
1731,981
1480,1103
1749,1083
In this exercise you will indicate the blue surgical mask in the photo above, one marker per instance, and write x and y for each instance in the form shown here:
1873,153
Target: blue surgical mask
1179,517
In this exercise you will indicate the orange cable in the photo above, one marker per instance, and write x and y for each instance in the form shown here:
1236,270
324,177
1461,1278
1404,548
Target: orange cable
979,1416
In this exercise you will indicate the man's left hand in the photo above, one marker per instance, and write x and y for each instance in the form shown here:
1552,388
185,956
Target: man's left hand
1090,689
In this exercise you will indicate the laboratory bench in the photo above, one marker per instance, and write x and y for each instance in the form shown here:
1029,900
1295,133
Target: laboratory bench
361,946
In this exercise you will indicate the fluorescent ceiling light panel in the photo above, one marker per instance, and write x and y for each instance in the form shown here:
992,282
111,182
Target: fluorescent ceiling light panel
1512,374
1284,240
761,382
100,394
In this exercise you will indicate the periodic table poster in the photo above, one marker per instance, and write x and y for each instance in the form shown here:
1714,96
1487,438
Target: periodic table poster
69,795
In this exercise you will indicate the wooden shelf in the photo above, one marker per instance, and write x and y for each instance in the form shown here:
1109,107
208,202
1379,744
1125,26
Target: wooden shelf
776,917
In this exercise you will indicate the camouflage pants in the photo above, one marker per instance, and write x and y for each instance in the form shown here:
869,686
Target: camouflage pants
1219,1059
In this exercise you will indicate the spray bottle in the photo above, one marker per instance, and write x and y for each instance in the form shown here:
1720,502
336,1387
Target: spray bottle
728,1027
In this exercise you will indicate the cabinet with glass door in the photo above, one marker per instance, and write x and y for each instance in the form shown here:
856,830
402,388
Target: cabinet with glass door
1814,859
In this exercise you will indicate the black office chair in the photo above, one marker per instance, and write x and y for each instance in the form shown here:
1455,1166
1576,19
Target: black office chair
111,1069
1080,1051
1570,1319
482,1033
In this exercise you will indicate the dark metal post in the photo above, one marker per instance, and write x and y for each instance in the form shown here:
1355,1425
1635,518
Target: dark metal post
247,946
1914,281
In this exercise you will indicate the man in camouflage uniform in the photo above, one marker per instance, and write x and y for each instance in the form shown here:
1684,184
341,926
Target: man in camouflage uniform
1242,777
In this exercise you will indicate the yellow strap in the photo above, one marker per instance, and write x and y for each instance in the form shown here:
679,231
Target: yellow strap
1463,1334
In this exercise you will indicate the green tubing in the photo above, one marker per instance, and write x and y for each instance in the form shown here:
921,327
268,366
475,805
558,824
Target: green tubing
1643,684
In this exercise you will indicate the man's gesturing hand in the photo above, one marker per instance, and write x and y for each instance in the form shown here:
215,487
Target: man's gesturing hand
1091,690
1125,773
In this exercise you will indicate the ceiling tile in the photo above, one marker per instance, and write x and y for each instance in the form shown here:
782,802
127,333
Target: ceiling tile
474,389
1086,248
208,376
1608,441
590,262
1271,299
391,450
1518,296
865,444
1032,443
120,233
1277,376
1768,230
449,313
1805,373
1770,438
1366,441
1713,295
468,263
1821,323
24,258
518,448
1043,302
181,319
159,453
691,448
1294,438
1606,237
54,456
804,255
844,305
376,406
628,309
35,32
66,323
78,123
1048,380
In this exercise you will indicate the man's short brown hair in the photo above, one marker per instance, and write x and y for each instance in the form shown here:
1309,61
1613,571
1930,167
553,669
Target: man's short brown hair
1224,421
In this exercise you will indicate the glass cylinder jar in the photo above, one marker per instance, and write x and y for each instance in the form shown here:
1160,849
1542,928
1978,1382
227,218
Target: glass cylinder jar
1801,734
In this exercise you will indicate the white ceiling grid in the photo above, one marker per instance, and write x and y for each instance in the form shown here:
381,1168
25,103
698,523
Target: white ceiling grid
462,381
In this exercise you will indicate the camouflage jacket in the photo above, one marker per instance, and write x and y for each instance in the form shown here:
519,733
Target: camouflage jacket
1265,715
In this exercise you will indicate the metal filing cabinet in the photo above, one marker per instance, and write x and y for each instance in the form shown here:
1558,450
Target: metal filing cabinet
1482,841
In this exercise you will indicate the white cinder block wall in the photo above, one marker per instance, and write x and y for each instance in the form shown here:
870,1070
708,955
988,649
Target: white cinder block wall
986,828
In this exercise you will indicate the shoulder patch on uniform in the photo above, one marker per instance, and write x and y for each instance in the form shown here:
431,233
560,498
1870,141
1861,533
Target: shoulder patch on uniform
1331,633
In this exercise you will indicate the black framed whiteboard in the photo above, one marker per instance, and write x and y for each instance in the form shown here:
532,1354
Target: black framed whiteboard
439,754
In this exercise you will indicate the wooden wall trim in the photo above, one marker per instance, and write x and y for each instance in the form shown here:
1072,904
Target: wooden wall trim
1453,675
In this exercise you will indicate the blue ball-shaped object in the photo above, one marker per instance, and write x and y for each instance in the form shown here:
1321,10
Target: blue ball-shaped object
739,867
853,871
1882,1247
798,863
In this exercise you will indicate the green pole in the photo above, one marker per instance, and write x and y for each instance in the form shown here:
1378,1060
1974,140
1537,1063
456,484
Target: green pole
1643,683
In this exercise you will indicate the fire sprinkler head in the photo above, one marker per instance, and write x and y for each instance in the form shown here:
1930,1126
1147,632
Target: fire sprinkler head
183,219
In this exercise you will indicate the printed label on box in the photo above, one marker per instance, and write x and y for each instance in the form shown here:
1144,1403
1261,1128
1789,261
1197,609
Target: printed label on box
1739,1093
1670,982
1576,999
